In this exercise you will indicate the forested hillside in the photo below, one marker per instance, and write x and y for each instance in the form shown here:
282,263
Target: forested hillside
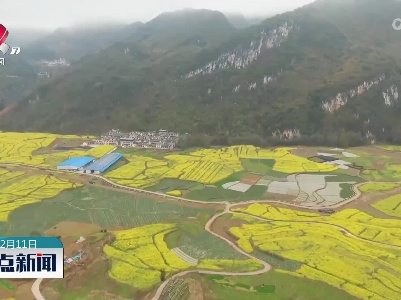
327,73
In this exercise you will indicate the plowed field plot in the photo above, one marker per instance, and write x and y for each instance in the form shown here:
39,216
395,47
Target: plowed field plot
211,166
237,186
250,179
312,190
218,194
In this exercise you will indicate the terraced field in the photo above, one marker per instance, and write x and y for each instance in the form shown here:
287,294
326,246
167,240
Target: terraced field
20,148
390,206
140,255
18,189
207,166
360,224
374,187
154,237
362,268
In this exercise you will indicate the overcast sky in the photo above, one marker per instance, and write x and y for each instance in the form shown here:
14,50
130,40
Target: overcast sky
62,13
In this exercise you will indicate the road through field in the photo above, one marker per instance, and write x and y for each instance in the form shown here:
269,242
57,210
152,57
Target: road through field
266,266
228,206
36,289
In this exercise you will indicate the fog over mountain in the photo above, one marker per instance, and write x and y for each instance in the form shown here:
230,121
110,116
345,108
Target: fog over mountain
57,13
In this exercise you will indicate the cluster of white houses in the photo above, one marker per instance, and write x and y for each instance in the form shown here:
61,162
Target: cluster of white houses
61,62
161,139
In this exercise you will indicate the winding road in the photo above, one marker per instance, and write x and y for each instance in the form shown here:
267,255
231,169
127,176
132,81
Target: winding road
228,206
266,266
36,289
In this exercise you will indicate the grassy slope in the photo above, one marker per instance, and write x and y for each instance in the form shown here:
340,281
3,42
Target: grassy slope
217,194
287,287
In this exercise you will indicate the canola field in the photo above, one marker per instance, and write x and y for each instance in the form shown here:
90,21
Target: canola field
363,269
390,206
374,187
386,231
392,172
208,166
17,190
140,255
19,148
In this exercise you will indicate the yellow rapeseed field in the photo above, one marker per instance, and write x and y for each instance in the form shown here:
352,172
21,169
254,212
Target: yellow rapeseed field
359,223
175,193
145,254
142,250
207,166
18,147
23,190
247,265
6,175
390,206
285,161
21,147
374,187
363,269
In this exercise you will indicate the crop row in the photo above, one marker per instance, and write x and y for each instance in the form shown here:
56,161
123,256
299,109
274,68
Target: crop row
6,175
143,251
177,289
390,206
328,255
20,147
207,166
359,223
29,189
145,254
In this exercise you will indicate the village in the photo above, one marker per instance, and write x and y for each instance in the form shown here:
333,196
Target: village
161,139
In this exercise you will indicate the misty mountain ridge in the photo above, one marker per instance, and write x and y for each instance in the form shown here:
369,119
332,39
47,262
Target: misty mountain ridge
311,74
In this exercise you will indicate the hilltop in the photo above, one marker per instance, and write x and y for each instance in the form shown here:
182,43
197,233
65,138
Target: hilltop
327,73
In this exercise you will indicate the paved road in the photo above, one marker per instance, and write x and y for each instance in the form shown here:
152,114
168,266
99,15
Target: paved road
266,266
36,289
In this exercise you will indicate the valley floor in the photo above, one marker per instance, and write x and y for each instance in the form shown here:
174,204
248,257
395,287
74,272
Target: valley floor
160,226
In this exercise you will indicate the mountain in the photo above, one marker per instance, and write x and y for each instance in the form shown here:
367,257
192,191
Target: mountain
240,21
19,75
326,73
76,42
24,36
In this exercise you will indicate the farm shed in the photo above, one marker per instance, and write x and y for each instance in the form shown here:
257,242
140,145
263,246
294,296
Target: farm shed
103,163
75,163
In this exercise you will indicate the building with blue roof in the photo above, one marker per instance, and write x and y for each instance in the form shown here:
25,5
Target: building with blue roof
103,163
75,163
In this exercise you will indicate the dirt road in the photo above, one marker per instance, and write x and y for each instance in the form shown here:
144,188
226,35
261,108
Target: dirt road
228,206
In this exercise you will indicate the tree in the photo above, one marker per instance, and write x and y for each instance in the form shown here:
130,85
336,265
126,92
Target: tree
163,275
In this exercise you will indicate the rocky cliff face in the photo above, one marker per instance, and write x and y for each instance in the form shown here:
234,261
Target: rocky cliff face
243,56
342,98
390,96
